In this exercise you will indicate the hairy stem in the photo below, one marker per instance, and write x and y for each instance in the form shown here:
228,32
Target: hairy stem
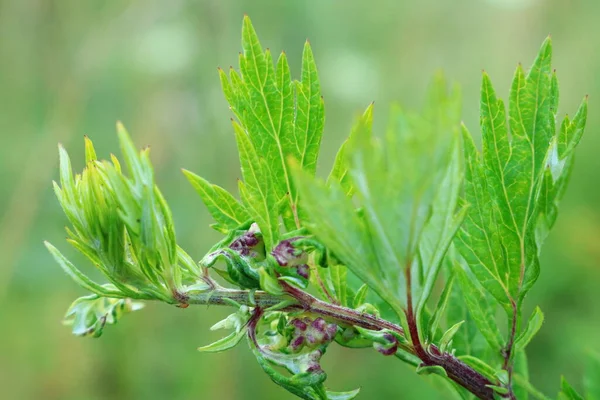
458,371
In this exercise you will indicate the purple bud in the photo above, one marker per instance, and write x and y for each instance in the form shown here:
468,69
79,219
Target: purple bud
319,324
387,349
300,325
297,343
250,239
314,367
287,255
303,270
311,339
390,338
249,245
330,331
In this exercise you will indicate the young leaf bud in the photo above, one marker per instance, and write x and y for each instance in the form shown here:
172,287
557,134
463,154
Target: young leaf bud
287,255
250,244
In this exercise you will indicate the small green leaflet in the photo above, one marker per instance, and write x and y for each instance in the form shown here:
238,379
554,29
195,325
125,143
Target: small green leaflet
533,326
80,278
335,277
557,175
224,208
236,321
284,118
88,315
448,336
339,173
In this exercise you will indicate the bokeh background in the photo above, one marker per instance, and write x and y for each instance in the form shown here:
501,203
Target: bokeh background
72,67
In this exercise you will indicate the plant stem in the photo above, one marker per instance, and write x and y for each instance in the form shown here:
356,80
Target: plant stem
458,371
508,350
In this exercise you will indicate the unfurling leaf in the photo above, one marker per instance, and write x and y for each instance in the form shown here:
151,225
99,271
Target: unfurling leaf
448,335
89,315
339,173
533,326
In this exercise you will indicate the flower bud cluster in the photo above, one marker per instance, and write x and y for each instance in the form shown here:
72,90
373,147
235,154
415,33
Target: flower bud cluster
310,333
388,346
250,244
288,256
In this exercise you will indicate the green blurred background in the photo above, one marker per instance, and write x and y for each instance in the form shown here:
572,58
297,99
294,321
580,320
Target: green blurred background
73,67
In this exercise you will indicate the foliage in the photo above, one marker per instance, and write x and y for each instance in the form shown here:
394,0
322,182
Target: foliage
411,246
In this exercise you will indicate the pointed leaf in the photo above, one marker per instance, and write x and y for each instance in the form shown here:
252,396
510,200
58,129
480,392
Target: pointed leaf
225,343
533,326
448,335
339,173
223,207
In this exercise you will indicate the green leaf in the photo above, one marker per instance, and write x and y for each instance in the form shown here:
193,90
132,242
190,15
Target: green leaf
441,228
89,315
333,212
335,277
571,131
396,184
225,343
557,174
448,335
257,190
567,392
284,118
498,389
591,377
268,283
360,296
478,239
339,173
520,173
479,309
342,395
480,366
80,278
307,377
224,208
431,369
521,369
440,309
236,321
309,115
533,326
